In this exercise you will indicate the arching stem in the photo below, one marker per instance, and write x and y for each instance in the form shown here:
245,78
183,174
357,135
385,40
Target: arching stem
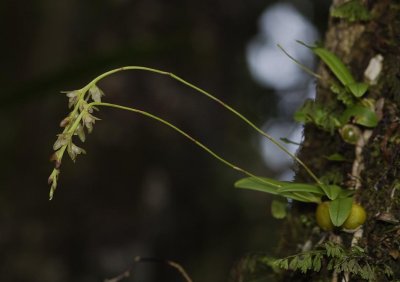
180,131
229,108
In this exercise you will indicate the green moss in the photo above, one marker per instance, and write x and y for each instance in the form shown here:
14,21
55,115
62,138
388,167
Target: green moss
352,11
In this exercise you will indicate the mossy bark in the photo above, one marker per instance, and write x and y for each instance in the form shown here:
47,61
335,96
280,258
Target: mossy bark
356,43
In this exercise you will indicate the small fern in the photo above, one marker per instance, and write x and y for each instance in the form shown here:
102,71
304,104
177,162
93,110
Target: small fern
353,261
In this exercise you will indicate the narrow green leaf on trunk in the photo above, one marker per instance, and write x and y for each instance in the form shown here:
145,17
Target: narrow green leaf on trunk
334,64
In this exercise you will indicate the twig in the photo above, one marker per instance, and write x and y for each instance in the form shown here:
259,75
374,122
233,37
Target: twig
139,259
181,270
121,276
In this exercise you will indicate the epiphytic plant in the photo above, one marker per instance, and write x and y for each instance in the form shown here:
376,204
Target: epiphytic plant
85,101
88,99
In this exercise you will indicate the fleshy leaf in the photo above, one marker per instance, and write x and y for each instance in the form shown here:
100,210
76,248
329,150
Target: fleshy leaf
336,66
305,197
301,187
261,184
339,210
345,193
273,187
331,191
334,191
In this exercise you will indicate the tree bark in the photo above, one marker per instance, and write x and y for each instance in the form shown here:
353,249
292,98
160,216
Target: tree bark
356,43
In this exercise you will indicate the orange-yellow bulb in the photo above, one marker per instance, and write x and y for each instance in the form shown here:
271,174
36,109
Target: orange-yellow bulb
323,218
356,218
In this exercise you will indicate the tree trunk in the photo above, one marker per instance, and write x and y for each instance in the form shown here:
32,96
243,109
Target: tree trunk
378,160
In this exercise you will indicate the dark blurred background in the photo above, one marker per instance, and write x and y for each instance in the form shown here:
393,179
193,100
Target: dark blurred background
142,189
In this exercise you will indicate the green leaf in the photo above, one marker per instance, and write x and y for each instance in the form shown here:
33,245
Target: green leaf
341,72
300,187
278,209
334,64
358,89
362,115
335,191
261,184
345,193
339,210
302,197
331,191
272,186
